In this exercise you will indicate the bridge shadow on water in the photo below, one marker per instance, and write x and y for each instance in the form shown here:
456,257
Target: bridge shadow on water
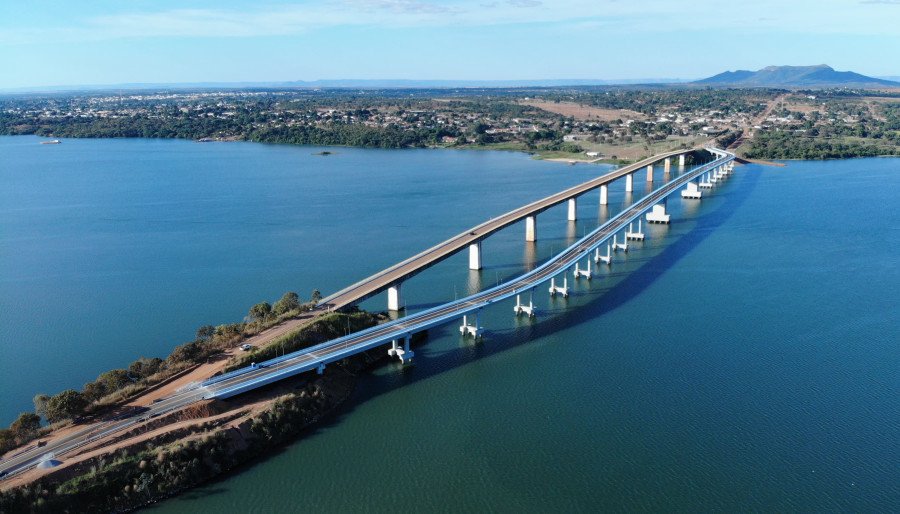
552,319
608,299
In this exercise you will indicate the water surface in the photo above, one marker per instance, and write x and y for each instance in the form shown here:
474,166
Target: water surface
744,357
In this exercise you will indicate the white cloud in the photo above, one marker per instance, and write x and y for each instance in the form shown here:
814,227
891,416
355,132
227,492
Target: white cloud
620,18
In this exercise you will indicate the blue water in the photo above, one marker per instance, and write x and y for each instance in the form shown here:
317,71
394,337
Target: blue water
745,357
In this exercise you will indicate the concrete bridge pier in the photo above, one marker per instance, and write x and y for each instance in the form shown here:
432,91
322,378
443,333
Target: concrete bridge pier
604,195
650,173
573,209
616,245
667,166
704,182
632,235
603,258
473,330
563,290
395,298
629,183
531,228
681,160
691,191
586,273
404,353
320,369
475,256
520,308
658,214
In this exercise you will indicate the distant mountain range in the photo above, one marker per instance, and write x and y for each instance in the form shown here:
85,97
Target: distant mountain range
795,76
772,76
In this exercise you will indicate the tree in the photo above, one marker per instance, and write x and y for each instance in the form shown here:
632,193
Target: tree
144,367
7,440
25,426
287,303
205,332
66,405
316,296
260,311
40,405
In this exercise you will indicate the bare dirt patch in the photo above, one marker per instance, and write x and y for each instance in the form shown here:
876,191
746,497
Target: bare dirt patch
585,112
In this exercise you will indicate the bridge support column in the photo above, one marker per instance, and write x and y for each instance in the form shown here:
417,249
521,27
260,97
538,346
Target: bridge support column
658,214
691,191
395,300
604,195
520,308
681,160
616,245
629,183
573,209
475,256
531,228
563,290
631,234
473,330
586,273
320,369
650,173
603,258
667,166
404,353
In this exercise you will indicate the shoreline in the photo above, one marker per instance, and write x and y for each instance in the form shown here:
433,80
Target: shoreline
228,426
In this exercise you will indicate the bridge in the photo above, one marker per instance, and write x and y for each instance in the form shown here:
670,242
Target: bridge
595,248
391,279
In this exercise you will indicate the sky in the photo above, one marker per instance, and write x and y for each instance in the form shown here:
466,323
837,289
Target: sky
66,42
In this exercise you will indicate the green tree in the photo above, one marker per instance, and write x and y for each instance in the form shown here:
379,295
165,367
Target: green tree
40,405
144,367
66,405
316,296
205,332
260,311
287,303
7,440
25,426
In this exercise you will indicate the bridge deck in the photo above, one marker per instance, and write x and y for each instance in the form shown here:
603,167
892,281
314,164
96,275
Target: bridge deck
308,359
331,351
397,273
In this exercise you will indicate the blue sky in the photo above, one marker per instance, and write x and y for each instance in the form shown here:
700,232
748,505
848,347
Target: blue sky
65,42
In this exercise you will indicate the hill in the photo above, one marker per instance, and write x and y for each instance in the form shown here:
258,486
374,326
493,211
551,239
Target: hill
795,76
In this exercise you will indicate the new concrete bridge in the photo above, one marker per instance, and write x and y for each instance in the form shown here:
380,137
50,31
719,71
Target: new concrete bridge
597,247
391,279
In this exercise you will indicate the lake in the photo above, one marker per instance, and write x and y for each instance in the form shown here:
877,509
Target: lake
744,357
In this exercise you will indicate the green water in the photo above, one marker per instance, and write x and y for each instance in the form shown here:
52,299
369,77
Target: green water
744,357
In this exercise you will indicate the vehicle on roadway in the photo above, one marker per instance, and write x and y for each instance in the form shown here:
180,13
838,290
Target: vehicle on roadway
246,347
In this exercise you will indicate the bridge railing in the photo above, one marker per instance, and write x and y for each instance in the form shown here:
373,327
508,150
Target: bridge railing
622,218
